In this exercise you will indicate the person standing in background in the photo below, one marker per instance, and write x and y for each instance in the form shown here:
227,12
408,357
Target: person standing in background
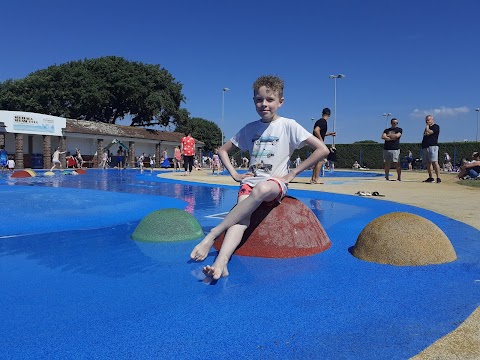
430,148
11,164
187,148
152,162
177,158
298,161
120,158
391,148
331,158
166,161
320,131
79,159
410,160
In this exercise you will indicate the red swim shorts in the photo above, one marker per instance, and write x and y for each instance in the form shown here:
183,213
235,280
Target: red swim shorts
246,189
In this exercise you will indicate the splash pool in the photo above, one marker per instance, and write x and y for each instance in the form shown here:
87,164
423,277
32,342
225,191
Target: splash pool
74,285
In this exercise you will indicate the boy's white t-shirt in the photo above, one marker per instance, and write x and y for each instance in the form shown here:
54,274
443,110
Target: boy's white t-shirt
11,164
270,146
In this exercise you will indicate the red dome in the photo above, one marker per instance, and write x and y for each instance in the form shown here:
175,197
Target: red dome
289,229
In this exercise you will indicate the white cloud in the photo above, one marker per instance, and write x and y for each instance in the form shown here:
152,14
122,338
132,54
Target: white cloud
443,111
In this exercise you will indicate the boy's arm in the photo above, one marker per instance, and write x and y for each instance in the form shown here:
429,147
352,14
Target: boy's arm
320,153
223,154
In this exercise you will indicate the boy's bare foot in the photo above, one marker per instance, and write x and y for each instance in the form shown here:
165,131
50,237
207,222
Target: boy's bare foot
217,270
200,252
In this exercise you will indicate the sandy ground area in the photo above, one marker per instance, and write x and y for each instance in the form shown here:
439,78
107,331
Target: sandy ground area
448,198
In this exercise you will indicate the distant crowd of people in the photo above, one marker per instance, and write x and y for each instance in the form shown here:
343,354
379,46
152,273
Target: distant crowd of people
184,156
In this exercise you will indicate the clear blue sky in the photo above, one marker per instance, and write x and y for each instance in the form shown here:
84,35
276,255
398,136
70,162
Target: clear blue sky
406,57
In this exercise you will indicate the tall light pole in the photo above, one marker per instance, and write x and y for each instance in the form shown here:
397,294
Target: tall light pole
386,122
335,77
223,110
476,136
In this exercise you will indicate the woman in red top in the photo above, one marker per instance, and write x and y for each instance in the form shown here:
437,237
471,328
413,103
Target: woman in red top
187,147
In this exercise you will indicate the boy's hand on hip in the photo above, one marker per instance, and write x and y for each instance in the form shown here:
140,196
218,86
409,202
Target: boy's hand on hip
287,178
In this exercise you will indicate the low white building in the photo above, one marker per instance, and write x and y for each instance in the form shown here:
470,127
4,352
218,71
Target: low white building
33,138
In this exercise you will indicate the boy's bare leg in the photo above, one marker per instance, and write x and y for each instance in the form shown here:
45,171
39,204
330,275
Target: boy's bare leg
264,191
200,252
233,237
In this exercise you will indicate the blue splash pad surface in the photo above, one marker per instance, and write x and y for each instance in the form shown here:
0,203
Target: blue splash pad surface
98,294
49,209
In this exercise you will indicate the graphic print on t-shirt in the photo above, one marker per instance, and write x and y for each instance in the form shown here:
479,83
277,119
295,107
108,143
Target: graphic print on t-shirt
266,139
262,151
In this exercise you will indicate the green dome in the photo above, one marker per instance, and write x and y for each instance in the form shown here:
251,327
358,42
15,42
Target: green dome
168,225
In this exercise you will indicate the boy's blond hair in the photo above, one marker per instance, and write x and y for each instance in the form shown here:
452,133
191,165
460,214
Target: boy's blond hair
271,82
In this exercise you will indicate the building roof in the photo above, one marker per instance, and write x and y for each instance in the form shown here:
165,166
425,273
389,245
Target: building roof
104,129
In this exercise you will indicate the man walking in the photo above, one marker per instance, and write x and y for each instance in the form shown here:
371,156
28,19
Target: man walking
430,148
391,148
320,131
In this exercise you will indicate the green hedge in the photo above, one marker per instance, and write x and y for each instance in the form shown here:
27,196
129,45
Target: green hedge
371,155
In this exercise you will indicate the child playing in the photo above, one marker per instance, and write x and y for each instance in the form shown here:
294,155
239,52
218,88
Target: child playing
56,158
152,162
177,158
141,159
215,162
271,141
79,159
103,163
11,164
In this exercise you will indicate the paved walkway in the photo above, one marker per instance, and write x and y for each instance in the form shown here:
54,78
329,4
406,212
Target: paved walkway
449,198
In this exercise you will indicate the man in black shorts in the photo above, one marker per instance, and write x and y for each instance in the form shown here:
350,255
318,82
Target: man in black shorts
430,148
320,131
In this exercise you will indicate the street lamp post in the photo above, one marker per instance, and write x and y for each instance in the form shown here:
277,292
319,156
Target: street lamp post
386,122
335,77
476,136
223,110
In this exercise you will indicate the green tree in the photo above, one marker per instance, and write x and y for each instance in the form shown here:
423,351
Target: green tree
104,89
204,130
